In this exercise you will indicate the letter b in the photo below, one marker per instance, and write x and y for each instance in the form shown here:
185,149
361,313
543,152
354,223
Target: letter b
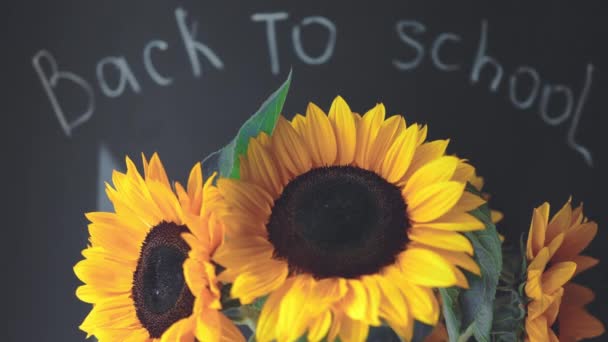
51,81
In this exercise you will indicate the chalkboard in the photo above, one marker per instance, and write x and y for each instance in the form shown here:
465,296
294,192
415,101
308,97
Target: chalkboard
518,87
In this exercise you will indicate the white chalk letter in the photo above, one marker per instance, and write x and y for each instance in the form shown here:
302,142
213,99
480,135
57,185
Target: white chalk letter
577,116
271,36
194,47
529,100
417,28
437,44
548,91
49,82
481,60
150,68
331,40
125,76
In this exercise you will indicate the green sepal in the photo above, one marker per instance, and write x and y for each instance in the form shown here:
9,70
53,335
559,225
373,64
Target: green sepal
511,301
226,160
469,313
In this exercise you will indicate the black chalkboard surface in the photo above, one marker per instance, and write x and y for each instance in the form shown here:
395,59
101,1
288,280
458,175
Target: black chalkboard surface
519,87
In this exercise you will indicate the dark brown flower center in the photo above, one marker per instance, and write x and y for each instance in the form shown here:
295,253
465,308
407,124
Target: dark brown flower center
338,221
159,290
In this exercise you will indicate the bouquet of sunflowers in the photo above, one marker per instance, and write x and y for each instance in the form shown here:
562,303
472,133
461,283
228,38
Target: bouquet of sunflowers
328,227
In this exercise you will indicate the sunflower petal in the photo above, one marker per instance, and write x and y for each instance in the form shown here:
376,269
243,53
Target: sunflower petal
367,130
320,136
290,149
426,268
557,275
452,241
437,171
538,229
576,240
399,156
433,201
343,123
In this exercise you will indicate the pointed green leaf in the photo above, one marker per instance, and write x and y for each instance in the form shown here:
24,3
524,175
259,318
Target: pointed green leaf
473,308
226,160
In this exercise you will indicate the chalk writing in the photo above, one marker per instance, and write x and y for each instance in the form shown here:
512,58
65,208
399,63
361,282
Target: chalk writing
329,47
125,76
296,37
194,47
150,68
50,82
525,87
410,33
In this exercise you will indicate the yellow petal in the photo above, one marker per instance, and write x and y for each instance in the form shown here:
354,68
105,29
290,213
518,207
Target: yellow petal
138,335
258,280
388,132
343,123
248,198
262,169
229,331
195,187
454,221
537,330
452,241
437,171
496,216
399,156
426,268
355,300
433,201
464,172
367,130
560,221
353,331
243,251
266,329
576,240
459,259
320,136
294,312
469,202
394,308
424,154
538,228
373,300
107,276
180,331
584,263
422,132
422,302
535,270
290,149
319,327
557,275
156,171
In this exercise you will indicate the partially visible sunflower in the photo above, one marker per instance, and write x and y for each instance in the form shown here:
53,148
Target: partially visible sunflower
133,268
553,253
346,221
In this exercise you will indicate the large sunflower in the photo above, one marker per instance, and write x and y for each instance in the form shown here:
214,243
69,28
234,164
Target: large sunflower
346,221
133,268
553,252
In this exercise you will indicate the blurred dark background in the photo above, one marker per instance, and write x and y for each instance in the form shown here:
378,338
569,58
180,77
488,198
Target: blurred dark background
417,57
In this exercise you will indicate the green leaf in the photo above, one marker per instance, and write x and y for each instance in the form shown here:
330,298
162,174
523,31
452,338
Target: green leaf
451,311
226,160
478,301
473,308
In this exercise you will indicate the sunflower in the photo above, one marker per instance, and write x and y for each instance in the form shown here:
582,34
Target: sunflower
133,268
553,252
346,221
